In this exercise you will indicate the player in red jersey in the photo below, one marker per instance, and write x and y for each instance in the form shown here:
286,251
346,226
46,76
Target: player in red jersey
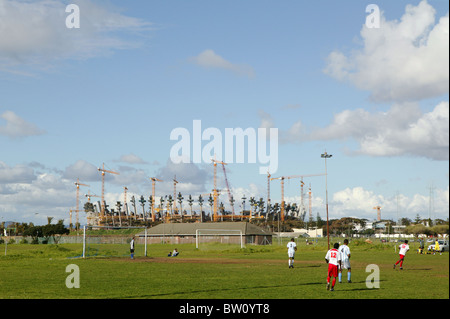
333,259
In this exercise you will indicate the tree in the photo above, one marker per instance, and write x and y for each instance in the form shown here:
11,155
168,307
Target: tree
180,201
200,202
211,203
170,201
53,230
418,229
253,204
190,202
406,221
50,230
34,232
417,219
320,222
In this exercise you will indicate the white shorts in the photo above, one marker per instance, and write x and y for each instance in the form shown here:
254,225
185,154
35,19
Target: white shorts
345,264
291,254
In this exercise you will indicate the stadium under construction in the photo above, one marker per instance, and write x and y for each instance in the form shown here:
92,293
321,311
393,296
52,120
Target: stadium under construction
165,209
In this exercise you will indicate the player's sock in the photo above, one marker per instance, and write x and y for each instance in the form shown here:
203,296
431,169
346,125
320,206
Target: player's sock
349,276
340,277
333,282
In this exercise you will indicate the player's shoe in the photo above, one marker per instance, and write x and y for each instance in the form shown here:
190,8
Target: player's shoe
328,286
394,265
401,268
332,289
349,281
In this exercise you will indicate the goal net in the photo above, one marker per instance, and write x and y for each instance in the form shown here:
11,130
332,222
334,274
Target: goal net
111,241
218,238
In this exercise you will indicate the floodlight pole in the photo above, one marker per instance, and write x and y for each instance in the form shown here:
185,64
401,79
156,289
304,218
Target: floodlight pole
325,156
84,241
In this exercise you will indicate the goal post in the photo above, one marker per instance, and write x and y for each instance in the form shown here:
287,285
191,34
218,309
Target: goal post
113,241
218,233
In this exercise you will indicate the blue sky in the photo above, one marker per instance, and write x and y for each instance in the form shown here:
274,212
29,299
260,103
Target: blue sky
113,90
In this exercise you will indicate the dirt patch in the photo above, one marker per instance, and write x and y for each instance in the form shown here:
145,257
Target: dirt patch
183,260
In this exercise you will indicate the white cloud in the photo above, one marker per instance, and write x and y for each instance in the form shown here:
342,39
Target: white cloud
359,202
35,32
403,130
402,60
17,127
210,59
191,177
17,174
83,170
131,159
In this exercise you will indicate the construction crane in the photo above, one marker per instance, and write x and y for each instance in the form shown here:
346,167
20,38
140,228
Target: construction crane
103,170
310,203
154,180
378,208
77,184
175,182
215,190
282,178
268,194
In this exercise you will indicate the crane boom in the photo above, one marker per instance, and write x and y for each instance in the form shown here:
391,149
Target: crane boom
230,198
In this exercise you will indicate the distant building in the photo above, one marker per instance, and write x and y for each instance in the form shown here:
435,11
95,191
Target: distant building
300,232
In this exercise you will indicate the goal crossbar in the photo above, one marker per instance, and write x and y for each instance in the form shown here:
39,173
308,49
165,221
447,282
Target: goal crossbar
218,232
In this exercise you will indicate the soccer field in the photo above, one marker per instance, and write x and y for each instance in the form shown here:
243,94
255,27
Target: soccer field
218,272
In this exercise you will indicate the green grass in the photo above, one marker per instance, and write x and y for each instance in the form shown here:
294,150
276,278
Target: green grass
217,272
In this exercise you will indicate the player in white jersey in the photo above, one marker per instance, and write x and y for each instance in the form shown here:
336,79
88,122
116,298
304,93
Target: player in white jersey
132,248
403,249
292,248
345,261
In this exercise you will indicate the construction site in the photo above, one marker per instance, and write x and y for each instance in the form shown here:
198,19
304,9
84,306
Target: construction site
168,208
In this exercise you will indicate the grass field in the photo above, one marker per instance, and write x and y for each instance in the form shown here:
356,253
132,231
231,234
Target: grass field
217,272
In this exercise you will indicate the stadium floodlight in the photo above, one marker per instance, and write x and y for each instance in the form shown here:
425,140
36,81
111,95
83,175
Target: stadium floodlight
325,156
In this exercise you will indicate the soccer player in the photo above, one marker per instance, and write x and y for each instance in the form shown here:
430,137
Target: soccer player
132,248
292,248
345,255
403,249
333,259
